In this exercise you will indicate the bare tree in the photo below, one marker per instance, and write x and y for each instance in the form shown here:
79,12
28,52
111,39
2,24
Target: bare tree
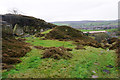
14,11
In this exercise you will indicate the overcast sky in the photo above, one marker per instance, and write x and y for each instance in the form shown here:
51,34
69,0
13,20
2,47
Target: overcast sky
64,10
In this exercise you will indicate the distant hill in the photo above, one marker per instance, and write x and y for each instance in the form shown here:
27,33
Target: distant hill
88,24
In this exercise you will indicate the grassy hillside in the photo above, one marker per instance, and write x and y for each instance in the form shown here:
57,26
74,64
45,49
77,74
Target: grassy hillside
85,63
65,32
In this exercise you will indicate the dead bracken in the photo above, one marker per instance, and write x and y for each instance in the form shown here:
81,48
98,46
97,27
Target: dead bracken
39,35
57,53
80,47
44,48
65,33
12,50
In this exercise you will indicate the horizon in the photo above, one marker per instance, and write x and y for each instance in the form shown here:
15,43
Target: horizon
86,20
64,20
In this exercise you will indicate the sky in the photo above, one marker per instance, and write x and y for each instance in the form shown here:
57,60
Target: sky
63,10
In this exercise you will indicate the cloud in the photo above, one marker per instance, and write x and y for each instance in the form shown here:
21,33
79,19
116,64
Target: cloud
62,10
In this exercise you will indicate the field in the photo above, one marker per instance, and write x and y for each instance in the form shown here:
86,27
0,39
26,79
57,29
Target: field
92,62
81,24
109,30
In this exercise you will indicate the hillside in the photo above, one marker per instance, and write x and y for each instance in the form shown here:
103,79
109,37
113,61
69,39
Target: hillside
12,26
65,32
21,24
59,52
49,59
12,50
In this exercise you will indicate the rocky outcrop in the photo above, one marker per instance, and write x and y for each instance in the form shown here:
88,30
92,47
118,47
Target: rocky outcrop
21,24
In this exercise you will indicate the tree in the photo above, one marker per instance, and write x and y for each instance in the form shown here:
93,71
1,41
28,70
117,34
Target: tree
101,36
15,11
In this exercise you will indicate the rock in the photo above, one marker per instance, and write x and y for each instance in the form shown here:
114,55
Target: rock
106,71
96,63
107,49
110,66
93,71
93,76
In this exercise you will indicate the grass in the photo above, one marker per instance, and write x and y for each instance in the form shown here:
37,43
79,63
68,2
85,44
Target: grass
49,43
81,65
47,31
60,24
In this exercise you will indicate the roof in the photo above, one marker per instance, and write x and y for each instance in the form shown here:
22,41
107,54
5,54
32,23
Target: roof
95,32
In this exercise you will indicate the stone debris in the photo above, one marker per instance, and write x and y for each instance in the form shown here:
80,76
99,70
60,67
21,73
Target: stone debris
93,76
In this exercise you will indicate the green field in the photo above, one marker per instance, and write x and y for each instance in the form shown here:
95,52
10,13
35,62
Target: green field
109,30
83,64
60,24
47,31
79,24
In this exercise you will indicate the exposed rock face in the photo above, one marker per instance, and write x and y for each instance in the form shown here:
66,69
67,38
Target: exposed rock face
18,30
20,24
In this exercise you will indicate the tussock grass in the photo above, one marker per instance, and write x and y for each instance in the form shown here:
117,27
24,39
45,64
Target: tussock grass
81,65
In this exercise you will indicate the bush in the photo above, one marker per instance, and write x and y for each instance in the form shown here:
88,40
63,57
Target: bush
101,36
